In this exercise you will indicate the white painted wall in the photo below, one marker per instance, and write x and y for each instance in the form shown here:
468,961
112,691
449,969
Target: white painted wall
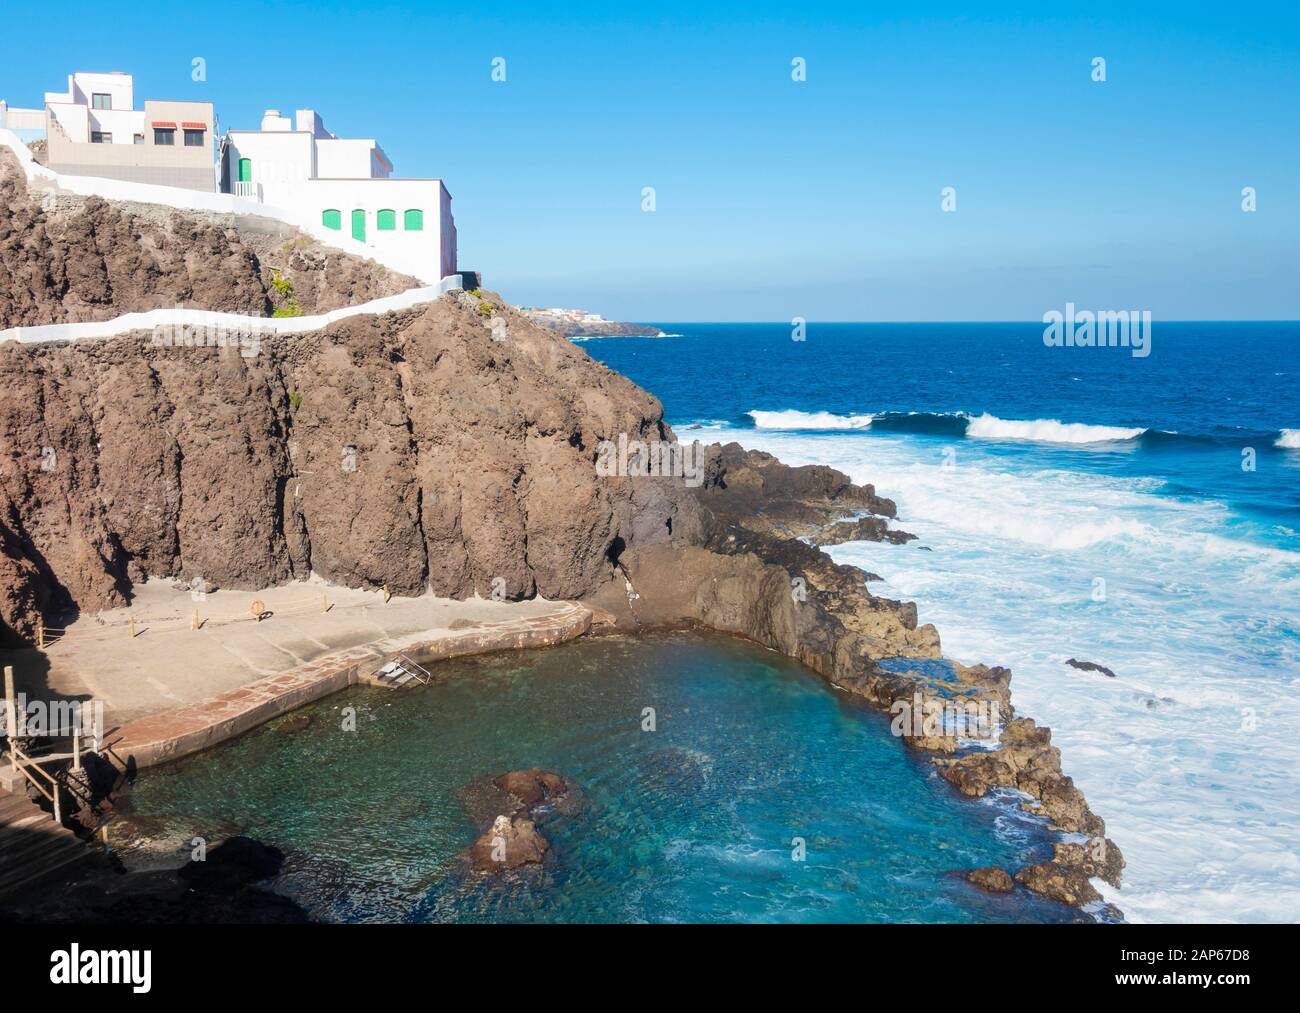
123,124
280,160
119,87
224,322
22,119
338,159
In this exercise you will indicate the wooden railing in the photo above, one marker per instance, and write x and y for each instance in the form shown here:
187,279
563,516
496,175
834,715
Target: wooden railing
24,765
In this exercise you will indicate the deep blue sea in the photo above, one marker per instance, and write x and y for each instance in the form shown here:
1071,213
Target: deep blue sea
1142,513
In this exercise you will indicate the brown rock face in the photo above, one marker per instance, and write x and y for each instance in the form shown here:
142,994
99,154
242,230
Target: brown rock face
532,786
412,450
509,843
87,259
1058,882
1027,762
991,879
520,799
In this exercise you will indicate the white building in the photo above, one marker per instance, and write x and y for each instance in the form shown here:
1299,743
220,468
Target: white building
94,129
342,184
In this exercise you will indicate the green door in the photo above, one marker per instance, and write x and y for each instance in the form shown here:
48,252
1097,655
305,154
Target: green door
359,226
245,170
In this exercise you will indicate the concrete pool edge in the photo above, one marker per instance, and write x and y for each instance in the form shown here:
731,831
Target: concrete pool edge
183,731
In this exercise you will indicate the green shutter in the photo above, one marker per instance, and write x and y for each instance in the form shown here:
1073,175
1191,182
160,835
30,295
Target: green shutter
245,170
386,220
414,221
331,219
359,226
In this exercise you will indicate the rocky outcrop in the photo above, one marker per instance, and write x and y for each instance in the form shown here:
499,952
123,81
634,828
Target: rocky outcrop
510,842
67,259
862,529
754,576
1059,882
1028,762
991,879
520,800
1090,666
413,450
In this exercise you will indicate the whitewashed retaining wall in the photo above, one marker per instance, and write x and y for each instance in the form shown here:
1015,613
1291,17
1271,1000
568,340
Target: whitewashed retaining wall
233,324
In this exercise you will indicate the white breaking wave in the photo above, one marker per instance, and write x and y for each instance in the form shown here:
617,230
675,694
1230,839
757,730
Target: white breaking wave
792,419
1199,620
1289,439
990,427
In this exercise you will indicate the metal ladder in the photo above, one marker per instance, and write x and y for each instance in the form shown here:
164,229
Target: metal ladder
402,671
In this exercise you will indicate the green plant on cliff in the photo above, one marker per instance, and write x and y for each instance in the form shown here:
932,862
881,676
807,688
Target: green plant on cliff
485,308
295,399
283,289
282,285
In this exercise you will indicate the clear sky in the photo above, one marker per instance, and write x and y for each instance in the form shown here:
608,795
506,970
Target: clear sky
777,198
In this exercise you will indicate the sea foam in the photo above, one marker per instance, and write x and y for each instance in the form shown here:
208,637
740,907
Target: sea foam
792,419
990,427
1289,439
1182,753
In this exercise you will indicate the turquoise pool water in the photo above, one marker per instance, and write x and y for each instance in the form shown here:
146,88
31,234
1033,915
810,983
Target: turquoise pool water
694,821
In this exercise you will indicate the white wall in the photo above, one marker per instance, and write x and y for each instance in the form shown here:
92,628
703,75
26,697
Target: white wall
227,323
121,88
280,161
123,124
344,159
73,119
23,119
312,197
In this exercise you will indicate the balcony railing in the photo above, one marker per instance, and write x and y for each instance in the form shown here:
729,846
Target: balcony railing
249,191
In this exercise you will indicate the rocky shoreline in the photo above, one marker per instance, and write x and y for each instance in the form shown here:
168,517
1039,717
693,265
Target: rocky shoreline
757,575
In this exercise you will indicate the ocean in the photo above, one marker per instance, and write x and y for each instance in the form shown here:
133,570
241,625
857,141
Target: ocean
1142,513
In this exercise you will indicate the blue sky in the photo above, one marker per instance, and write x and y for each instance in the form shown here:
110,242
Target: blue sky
777,199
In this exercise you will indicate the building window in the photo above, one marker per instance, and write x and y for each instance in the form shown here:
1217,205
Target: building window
100,137
101,101
164,136
414,221
194,138
331,219
138,139
386,220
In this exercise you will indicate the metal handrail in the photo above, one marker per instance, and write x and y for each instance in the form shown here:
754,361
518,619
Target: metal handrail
427,675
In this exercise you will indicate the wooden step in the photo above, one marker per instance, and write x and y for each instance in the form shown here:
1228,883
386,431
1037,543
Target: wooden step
32,845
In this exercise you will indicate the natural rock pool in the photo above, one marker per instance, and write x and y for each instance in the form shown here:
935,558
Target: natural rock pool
693,821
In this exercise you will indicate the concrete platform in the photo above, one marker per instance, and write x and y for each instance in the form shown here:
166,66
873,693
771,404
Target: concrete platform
171,690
